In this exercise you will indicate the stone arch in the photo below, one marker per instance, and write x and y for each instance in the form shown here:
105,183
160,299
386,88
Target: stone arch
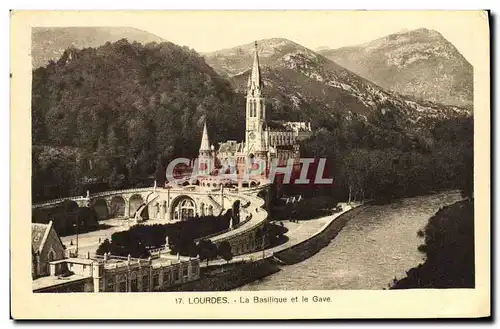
51,256
253,184
117,206
101,208
135,202
69,205
122,282
183,207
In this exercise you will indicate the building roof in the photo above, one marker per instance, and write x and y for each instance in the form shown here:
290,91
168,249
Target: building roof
255,80
205,143
52,281
38,235
231,146
83,261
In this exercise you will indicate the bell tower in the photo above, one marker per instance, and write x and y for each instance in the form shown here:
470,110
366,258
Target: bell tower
255,134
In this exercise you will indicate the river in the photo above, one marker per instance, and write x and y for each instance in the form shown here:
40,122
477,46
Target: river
376,246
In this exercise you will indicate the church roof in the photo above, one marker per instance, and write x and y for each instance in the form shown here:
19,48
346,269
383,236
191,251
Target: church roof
205,143
255,79
231,146
38,233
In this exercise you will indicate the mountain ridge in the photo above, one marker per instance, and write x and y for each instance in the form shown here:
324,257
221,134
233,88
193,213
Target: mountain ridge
49,43
296,75
412,63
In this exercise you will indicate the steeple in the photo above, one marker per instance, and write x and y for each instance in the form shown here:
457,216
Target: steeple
205,143
255,81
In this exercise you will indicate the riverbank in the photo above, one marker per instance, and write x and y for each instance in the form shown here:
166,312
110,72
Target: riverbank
374,246
221,275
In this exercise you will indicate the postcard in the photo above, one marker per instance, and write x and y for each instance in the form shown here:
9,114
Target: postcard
250,164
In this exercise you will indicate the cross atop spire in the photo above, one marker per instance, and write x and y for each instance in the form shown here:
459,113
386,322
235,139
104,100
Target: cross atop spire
255,81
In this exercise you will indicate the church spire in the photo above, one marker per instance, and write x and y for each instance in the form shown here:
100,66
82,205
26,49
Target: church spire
255,80
205,143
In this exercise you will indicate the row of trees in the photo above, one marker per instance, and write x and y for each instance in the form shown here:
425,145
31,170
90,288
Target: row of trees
139,239
68,218
378,159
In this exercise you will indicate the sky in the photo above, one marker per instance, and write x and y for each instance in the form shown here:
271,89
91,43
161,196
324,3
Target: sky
207,31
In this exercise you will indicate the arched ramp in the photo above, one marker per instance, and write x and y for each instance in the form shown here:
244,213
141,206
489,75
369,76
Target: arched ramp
117,207
101,208
135,202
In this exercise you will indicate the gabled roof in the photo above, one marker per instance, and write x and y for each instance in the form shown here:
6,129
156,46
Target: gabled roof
231,146
39,234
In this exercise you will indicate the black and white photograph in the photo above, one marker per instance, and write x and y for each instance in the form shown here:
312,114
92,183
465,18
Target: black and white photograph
253,158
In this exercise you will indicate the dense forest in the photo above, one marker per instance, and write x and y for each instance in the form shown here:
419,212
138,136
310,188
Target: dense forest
113,116
378,158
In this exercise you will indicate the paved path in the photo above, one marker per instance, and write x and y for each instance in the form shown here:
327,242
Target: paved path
89,242
297,233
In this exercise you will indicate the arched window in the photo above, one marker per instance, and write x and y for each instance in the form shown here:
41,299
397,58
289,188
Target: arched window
202,209
145,282
110,282
262,108
184,209
133,282
51,256
122,283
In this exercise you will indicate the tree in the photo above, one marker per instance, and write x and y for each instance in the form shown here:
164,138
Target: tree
207,250
104,247
225,251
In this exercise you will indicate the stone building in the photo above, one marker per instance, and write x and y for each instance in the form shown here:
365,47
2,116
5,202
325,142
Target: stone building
46,246
118,274
264,140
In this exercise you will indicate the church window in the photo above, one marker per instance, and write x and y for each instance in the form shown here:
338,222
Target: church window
156,280
122,283
184,209
51,256
145,283
133,282
166,277
110,284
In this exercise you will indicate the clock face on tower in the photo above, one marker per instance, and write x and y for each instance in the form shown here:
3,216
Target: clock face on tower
251,135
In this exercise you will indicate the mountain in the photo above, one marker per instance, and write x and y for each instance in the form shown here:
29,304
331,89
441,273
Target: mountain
49,43
304,85
419,63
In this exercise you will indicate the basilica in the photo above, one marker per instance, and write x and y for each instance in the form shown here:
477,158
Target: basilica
266,143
